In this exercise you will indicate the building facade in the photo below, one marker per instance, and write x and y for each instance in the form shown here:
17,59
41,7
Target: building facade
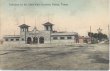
36,36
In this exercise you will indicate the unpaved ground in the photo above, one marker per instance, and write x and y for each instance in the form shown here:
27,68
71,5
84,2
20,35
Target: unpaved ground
87,57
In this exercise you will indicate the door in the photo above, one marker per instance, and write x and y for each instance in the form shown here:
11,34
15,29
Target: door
35,40
41,40
29,40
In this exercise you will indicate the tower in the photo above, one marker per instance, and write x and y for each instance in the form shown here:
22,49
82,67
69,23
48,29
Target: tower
48,26
99,30
24,28
23,31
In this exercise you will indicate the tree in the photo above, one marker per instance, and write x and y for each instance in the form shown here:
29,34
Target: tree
90,34
97,36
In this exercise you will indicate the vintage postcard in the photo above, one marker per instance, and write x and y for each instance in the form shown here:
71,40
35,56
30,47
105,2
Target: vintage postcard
54,35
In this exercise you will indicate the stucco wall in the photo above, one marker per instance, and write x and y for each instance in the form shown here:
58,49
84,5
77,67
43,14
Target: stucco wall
72,40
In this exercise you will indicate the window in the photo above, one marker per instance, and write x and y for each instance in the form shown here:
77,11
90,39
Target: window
69,37
22,39
12,39
47,28
6,39
62,38
17,39
55,38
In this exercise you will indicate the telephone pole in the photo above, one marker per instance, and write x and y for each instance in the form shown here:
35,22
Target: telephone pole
108,33
24,29
0,26
90,35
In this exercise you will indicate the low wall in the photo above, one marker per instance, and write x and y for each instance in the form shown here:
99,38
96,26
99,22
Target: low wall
15,44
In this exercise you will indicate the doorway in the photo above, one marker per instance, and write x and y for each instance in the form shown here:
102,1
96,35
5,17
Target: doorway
41,40
35,40
29,40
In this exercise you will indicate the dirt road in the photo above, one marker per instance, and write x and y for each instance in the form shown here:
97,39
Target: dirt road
87,57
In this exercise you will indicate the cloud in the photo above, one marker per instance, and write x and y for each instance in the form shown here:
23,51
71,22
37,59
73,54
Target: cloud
77,16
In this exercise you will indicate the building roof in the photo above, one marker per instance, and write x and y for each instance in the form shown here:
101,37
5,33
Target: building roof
84,37
64,33
34,29
24,26
12,36
47,23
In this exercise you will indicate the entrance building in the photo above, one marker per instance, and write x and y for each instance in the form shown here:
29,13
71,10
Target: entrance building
35,40
35,36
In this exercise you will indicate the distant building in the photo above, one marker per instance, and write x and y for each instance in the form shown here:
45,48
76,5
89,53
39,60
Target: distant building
36,36
83,39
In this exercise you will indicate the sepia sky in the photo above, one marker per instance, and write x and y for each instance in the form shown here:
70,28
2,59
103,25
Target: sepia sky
75,16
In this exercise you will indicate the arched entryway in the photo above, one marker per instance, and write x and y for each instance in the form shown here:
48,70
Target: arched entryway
41,40
29,40
35,40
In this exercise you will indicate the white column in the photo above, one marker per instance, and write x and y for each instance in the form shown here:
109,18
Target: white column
38,40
